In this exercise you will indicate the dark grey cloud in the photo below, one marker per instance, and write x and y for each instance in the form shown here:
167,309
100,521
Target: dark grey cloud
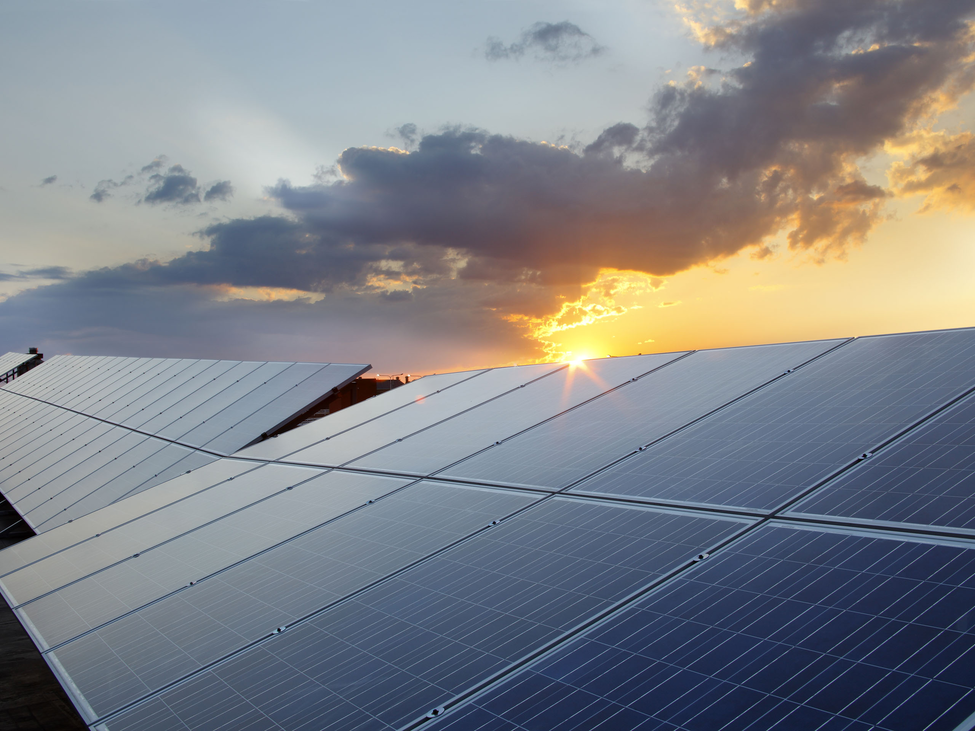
50,180
157,164
114,311
176,185
162,183
560,42
219,191
103,190
53,272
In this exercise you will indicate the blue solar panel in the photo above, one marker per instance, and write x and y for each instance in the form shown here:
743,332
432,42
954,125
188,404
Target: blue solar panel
784,629
771,446
927,478
409,644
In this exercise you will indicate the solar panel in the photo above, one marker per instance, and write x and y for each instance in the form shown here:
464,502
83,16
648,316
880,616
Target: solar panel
347,445
464,434
664,588
196,626
157,570
363,413
74,449
403,647
12,361
120,513
778,442
784,629
924,479
570,447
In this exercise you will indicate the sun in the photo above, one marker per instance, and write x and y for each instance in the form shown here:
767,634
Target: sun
576,358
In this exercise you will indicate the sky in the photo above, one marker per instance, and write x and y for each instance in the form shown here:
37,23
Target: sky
435,186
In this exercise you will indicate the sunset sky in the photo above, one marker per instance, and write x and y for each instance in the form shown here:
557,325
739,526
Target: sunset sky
433,186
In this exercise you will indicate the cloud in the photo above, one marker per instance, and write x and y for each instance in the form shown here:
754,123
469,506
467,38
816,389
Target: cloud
103,190
219,191
172,185
940,166
470,233
52,272
559,42
49,180
114,311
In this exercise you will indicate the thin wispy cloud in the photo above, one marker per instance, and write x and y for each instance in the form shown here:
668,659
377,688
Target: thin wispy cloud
563,42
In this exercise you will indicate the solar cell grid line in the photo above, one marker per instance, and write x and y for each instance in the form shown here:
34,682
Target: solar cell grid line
57,456
149,378
37,421
275,403
130,584
788,627
459,436
766,450
126,377
67,390
113,484
347,446
165,379
185,394
195,627
142,403
118,515
566,449
193,459
229,494
12,361
922,480
285,407
197,397
94,474
52,433
213,402
402,647
22,417
111,383
364,412
54,375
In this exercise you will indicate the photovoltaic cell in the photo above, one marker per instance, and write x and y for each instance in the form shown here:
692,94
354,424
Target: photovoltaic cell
157,571
155,646
784,629
12,361
61,465
87,527
364,412
769,447
572,446
393,652
389,427
474,430
926,478
244,485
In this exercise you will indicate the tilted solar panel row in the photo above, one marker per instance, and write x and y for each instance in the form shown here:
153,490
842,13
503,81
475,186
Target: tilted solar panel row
641,543
84,432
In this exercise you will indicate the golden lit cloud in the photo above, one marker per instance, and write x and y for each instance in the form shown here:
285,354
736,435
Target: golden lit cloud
228,293
607,297
939,166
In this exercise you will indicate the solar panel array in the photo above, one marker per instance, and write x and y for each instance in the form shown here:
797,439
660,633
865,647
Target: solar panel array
749,538
83,432
10,362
